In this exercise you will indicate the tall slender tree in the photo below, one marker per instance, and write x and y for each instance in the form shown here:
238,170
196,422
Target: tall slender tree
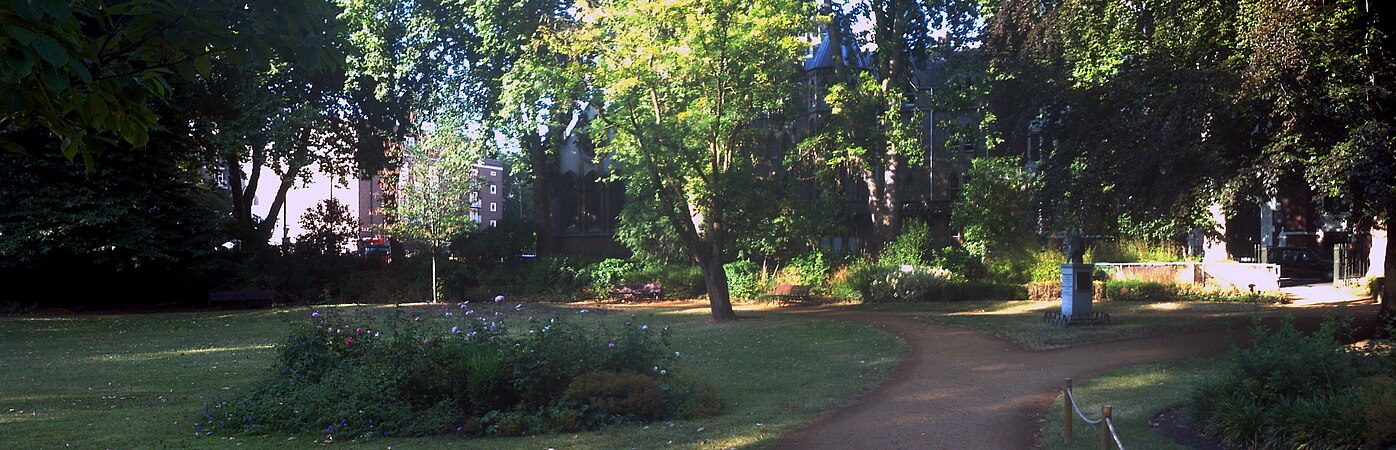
683,83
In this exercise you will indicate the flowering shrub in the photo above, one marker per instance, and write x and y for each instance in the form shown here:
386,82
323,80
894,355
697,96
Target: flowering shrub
466,369
908,283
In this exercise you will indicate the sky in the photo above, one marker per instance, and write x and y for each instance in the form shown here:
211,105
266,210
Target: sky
301,198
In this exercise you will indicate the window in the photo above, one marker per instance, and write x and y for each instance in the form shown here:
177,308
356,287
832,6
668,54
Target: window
494,207
494,189
493,224
494,174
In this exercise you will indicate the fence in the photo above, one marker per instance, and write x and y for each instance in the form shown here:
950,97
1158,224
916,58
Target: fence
1107,427
1349,269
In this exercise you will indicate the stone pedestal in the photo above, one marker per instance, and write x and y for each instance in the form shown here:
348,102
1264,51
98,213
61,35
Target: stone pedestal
1077,291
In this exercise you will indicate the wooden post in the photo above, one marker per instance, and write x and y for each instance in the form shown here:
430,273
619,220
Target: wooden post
1105,428
1066,409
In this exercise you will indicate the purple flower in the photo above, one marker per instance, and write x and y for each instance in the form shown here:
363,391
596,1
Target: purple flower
426,341
455,330
315,314
358,331
518,307
498,298
417,319
448,314
611,345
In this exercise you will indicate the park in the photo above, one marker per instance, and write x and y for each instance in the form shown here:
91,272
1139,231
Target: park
699,224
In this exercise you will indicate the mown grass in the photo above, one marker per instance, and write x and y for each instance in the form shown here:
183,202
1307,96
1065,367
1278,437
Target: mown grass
1136,395
139,380
1021,321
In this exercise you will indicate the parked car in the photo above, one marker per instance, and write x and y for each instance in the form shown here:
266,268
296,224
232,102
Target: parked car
1299,262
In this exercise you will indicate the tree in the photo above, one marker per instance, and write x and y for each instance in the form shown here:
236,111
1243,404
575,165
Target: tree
329,228
541,90
408,60
251,117
436,191
994,209
683,84
88,73
1325,70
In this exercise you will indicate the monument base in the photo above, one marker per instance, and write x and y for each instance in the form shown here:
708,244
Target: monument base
1063,320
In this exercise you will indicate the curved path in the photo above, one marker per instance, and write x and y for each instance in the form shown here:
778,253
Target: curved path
965,389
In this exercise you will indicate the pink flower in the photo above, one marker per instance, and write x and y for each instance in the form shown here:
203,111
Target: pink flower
349,341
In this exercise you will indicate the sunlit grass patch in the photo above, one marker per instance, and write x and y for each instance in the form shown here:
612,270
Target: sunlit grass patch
139,380
1136,395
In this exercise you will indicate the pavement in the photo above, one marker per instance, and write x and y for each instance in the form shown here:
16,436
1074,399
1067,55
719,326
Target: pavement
957,388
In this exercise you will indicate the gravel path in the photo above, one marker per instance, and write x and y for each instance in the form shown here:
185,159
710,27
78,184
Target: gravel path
957,388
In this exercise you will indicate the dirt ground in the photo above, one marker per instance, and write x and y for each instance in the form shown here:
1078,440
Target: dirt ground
957,388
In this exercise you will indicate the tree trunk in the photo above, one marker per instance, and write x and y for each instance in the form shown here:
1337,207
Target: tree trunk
543,173
719,297
1389,267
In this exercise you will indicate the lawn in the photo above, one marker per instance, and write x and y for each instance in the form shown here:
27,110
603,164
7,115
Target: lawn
138,380
1021,321
1136,395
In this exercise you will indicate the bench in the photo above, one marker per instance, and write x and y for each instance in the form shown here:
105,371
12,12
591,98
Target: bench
652,291
242,298
790,293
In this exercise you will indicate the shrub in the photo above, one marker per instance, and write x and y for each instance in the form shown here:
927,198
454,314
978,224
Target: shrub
1289,390
808,269
1134,250
616,396
608,273
461,369
960,261
912,246
907,284
743,279
681,281
555,276
1149,291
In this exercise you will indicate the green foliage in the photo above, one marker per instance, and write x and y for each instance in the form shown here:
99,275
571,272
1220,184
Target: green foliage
808,269
554,276
744,279
1032,264
912,247
680,281
994,208
460,370
960,261
136,222
1134,250
668,71
1148,291
90,76
608,273
492,249
907,284
1288,390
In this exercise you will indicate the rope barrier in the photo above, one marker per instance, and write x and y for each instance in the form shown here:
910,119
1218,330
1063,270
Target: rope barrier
1078,408
1107,427
1111,425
